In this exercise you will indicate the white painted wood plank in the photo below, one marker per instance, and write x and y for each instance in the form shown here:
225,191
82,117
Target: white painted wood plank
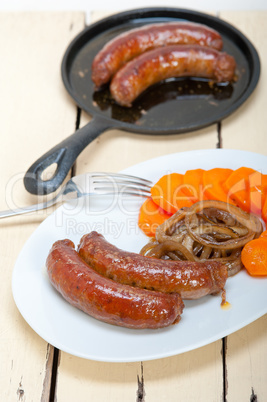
83,380
35,114
192,376
246,363
32,91
246,129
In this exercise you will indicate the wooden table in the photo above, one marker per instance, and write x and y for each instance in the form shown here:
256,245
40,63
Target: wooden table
37,113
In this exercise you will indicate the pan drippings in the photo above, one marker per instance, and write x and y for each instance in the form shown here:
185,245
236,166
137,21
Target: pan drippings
200,93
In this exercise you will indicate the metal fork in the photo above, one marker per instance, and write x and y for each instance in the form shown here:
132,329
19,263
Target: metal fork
96,183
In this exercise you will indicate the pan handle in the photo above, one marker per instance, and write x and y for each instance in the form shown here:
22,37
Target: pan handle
64,155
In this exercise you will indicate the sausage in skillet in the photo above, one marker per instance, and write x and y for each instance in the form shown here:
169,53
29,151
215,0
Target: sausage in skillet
130,44
169,62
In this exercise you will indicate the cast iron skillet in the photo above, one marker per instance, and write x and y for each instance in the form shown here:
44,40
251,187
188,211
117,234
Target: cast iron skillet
173,107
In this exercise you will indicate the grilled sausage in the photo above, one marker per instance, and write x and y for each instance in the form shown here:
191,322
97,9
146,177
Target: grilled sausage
167,62
105,299
130,44
191,280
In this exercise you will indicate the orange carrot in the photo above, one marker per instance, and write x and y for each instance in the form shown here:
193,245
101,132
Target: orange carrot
168,193
213,180
193,184
264,211
258,192
264,235
150,217
237,187
254,257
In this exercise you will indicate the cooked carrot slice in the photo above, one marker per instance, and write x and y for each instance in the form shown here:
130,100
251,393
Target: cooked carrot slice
255,202
264,211
213,180
258,192
254,257
264,234
150,217
168,193
237,187
193,184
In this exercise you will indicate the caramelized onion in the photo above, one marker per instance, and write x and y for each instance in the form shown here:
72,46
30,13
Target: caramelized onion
250,222
206,230
173,228
161,249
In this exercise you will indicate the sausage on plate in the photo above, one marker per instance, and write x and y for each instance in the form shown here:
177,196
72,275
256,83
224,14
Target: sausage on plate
190,279
168,62
105,299
130,44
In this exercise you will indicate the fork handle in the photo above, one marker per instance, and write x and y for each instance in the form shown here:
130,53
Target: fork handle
25,210
64,155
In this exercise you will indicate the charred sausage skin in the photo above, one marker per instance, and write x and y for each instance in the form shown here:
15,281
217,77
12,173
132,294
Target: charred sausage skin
105,299
168,62
191,280
130,44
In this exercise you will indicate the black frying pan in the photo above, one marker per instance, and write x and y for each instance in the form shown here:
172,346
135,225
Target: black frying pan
173,107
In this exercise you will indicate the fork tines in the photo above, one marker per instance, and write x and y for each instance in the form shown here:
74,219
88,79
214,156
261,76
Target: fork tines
110,183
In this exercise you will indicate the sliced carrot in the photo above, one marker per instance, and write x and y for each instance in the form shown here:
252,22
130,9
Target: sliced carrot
168,193
264,235
193,184
264,211
213,180
237,187
255,202
150,217
254,257
258,192
258,180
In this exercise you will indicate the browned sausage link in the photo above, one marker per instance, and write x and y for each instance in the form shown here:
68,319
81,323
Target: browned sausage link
105,299
191,279
130,44
170,61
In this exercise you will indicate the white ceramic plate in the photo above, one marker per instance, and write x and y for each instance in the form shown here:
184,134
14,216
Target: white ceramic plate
72,331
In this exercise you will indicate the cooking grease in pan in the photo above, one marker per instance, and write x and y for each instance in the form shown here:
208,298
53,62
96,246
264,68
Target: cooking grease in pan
181,90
